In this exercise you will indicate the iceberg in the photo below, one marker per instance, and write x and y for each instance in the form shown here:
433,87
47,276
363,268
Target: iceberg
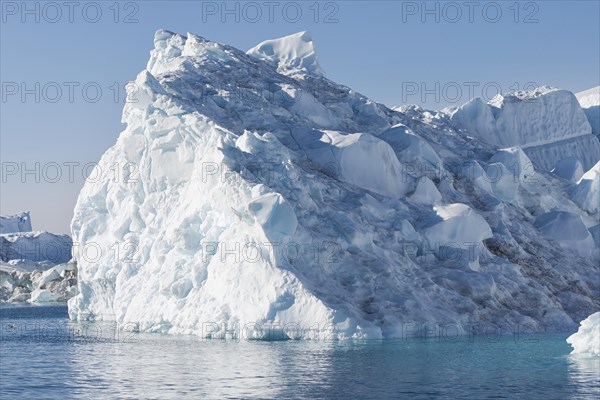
260,196
547,123
15,223
35,246
29,249
587,339
55,284
34,264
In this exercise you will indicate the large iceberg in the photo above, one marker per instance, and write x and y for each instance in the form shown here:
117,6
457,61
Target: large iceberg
587,339
259,196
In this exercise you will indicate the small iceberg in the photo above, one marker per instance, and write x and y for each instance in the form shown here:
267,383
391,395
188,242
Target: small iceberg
587,338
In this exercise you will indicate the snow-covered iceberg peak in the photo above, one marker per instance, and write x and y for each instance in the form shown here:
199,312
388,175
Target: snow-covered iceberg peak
172,50
291,54
587,339
167,47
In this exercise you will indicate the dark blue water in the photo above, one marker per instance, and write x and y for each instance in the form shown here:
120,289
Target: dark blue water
42,355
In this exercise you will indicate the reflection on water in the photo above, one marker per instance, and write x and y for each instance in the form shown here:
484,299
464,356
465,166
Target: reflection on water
584,374
68,362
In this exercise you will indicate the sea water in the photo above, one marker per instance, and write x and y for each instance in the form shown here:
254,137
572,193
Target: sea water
43,355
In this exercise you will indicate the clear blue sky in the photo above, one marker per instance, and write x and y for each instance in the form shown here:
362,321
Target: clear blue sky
392,51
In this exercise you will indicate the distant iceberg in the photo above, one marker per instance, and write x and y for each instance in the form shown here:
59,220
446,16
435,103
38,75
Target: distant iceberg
15,223
34,265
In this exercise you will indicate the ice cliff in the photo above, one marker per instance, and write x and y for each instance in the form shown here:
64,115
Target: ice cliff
590,103
258,193
547,123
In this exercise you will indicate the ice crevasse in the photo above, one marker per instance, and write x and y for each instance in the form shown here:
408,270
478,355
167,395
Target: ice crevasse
259,193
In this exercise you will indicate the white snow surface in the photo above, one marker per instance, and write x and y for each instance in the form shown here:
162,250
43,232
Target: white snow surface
587,339
325,214
15,223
